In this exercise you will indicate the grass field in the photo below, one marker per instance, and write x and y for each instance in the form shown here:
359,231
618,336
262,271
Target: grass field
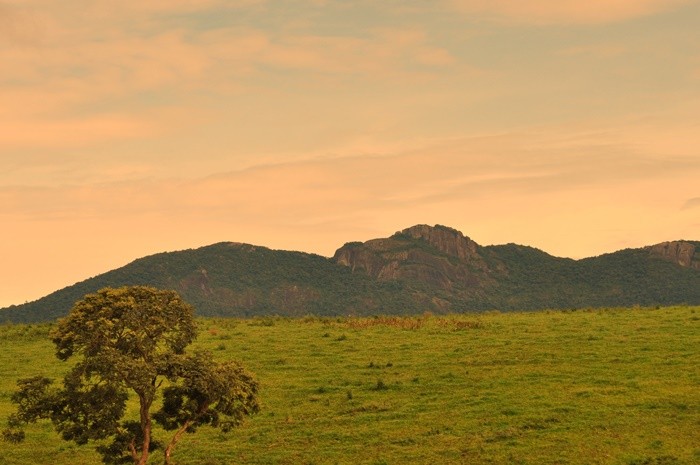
616,386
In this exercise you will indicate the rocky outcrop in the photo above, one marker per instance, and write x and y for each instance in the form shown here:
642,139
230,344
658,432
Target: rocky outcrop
436,256
681,253
196,280
446,240
366,257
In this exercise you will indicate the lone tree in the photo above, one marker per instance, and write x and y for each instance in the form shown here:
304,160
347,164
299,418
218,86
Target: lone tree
133,340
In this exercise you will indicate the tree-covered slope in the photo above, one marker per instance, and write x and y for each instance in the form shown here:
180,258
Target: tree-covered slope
624,278
422,268
230,279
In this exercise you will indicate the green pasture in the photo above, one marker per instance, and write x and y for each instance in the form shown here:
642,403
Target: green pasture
611,386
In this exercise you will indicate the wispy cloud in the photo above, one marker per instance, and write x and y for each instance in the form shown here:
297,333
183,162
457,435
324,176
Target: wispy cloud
383,52
603,51
692,203
470,171
566,11
19,28
95,68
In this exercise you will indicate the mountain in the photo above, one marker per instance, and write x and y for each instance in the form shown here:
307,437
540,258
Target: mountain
233,279
460,275
421,268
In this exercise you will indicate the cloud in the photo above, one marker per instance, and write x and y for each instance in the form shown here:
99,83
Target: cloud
170,6
565,11
72,132
603,51
386,51
20,28
91,92
126,62
692,203
485,170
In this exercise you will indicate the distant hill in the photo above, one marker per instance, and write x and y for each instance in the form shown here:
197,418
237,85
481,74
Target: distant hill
422,268
457,274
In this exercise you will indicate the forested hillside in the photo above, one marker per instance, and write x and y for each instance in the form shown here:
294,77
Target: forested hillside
419,269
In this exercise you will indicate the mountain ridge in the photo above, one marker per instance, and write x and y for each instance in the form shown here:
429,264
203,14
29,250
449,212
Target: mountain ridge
417,269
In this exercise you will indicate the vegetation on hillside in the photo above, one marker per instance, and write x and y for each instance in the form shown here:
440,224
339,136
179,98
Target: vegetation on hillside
238,280
624,278
400,275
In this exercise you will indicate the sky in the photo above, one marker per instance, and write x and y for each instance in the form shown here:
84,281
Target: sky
130,127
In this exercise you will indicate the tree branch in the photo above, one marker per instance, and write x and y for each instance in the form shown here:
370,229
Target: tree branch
132,449
178,434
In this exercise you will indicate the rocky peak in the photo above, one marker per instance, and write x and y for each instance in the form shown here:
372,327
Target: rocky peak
447,240
682,253
435,256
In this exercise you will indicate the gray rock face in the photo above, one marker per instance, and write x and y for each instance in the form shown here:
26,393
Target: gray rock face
448,261
446,240
681,253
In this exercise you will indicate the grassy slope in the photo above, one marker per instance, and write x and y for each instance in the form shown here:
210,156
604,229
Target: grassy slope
585,387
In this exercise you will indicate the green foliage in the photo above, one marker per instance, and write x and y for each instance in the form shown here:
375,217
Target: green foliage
132,340
210,393
127,332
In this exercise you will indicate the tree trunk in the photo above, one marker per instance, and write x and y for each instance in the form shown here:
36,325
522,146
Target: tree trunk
145,427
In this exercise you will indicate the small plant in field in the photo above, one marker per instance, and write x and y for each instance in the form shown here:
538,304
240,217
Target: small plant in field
380,386
457,324
657,444
213,462
13,436
407,323
261,321
348,394
661,460
377,365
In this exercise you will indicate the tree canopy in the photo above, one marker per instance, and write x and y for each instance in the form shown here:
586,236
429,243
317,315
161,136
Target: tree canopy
133,340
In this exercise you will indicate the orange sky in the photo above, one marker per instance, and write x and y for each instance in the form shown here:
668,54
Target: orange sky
134,127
